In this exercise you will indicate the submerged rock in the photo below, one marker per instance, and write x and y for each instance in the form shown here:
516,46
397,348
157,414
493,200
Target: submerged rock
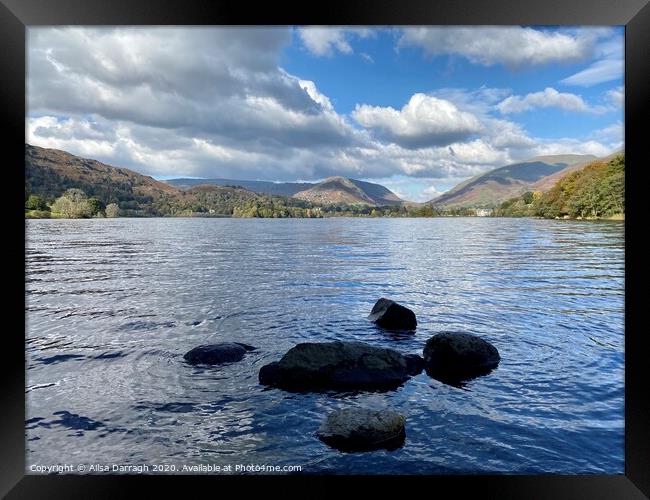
360,429
459,356
214,354
336,365
392,316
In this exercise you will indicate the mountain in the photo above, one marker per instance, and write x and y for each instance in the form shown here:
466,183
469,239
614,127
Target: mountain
595,190
50,172
343,190
263,187
493,187
330,191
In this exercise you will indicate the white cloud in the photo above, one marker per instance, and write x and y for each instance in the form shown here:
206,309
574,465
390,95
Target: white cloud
418,190
575,146
135,75
616,96
478,152
609,65
599,72
132,79
160,152
312,91
125,97
513,45
429,193
614,134
548,98
479,102
423,121
325,41
507,135
70,134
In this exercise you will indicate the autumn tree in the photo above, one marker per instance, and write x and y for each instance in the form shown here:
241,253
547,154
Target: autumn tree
35,202
112,210
73,204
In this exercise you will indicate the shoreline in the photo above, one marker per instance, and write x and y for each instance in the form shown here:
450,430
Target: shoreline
615,217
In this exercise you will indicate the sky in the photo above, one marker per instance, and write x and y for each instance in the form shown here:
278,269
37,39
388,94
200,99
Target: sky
416,109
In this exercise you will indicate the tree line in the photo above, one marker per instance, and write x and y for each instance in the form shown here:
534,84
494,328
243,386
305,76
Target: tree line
73,204
596,191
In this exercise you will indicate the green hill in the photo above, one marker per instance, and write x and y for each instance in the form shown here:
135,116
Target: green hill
493,187
595,191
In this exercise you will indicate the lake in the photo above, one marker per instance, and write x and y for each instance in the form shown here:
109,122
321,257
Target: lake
113,304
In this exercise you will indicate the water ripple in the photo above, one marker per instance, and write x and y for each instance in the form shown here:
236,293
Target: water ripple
112,306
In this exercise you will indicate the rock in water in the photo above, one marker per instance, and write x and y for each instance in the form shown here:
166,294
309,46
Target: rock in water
459,356
336,365
360,429
414,364
392,316
214,354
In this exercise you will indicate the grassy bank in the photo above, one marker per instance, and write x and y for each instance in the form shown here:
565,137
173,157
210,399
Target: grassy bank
38,214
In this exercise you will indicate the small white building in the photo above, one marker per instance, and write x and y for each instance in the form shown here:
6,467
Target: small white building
483,212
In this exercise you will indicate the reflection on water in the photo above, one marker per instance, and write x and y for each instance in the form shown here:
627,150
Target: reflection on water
112,306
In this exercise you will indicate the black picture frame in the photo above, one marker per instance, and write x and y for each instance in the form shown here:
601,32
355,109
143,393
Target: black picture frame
16,15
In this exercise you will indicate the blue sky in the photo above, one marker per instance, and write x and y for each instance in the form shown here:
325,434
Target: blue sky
417,109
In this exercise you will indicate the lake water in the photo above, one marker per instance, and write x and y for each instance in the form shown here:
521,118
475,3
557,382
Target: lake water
112,306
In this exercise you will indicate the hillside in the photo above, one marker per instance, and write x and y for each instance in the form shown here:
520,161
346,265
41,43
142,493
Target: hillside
336,190
50,172
596,190
549,181
494,187
378,193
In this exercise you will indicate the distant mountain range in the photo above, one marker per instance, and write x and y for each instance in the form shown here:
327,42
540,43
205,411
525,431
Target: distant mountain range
486,190
493,187
49,172
332,190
